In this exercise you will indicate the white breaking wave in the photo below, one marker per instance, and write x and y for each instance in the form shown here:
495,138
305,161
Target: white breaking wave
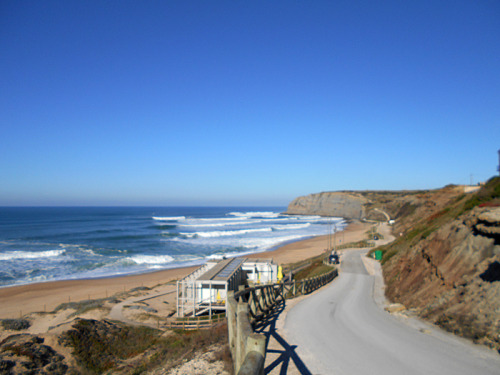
276,219
217,219
255,214
220,224
225,233
291,226
307,218
169,218
253,245
30,254
151,259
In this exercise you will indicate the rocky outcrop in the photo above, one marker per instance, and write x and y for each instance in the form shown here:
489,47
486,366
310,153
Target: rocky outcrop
487,224
26,354
338,204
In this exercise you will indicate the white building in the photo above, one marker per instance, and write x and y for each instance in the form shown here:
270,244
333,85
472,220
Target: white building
205,290
260,271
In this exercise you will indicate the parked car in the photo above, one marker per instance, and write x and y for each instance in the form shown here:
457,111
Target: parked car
334,259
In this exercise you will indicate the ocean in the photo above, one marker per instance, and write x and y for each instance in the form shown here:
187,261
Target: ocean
40,244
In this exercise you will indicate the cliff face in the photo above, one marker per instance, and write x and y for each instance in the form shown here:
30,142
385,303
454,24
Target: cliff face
372,205
453,277
329,204
446,265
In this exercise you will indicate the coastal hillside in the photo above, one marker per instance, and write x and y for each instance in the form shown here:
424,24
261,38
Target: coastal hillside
446,265
373,205
445,262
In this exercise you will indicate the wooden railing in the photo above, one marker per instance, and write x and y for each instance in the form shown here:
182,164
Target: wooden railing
306,286
248,306
189,324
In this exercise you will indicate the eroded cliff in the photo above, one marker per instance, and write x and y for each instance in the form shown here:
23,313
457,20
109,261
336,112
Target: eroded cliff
446,265
341,204
372,205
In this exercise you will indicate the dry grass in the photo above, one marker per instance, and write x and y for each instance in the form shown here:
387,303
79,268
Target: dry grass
102,346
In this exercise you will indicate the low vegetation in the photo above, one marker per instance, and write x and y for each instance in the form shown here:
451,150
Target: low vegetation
102,346
356,245
295,267
81,307
316,268
467,327
15,324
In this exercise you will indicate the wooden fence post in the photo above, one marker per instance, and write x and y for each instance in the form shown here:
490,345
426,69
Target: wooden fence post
243,329
231,322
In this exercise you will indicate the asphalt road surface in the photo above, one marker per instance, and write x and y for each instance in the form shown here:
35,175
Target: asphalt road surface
341,330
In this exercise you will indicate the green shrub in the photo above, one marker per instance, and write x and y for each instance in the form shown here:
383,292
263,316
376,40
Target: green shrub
16,324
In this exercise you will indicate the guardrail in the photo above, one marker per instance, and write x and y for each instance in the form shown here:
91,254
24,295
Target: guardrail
248,306
306,286
189,324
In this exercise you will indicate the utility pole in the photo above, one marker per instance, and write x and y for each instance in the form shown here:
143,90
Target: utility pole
329,235
498,162
335,237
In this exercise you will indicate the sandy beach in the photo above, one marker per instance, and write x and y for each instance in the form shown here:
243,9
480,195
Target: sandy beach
18,301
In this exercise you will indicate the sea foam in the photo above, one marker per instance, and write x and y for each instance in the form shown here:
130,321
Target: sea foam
169,218
151,259
254,214
224,233
9,255
228,223
291,226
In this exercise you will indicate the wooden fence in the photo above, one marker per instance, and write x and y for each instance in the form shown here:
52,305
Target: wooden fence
248,306
189,324
306,286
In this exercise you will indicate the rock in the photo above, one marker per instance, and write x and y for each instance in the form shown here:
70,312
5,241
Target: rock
27,354
492,216
337,204
395,307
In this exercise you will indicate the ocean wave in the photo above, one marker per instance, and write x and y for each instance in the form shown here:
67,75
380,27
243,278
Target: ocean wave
151,259
291,226
163,226
216,219
255,214
130,237
30,254
277,219
219,224
225,233
169,218
255,245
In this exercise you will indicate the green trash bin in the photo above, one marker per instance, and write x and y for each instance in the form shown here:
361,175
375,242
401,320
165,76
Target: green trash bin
378,254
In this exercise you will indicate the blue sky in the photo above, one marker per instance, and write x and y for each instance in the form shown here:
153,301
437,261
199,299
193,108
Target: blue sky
243,102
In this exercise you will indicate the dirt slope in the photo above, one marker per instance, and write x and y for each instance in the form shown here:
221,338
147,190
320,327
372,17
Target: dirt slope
446,263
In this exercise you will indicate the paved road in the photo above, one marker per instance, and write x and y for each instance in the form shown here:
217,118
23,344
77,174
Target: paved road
341,330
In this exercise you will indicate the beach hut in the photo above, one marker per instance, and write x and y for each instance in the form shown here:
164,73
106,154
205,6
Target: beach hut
260,271
205,291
